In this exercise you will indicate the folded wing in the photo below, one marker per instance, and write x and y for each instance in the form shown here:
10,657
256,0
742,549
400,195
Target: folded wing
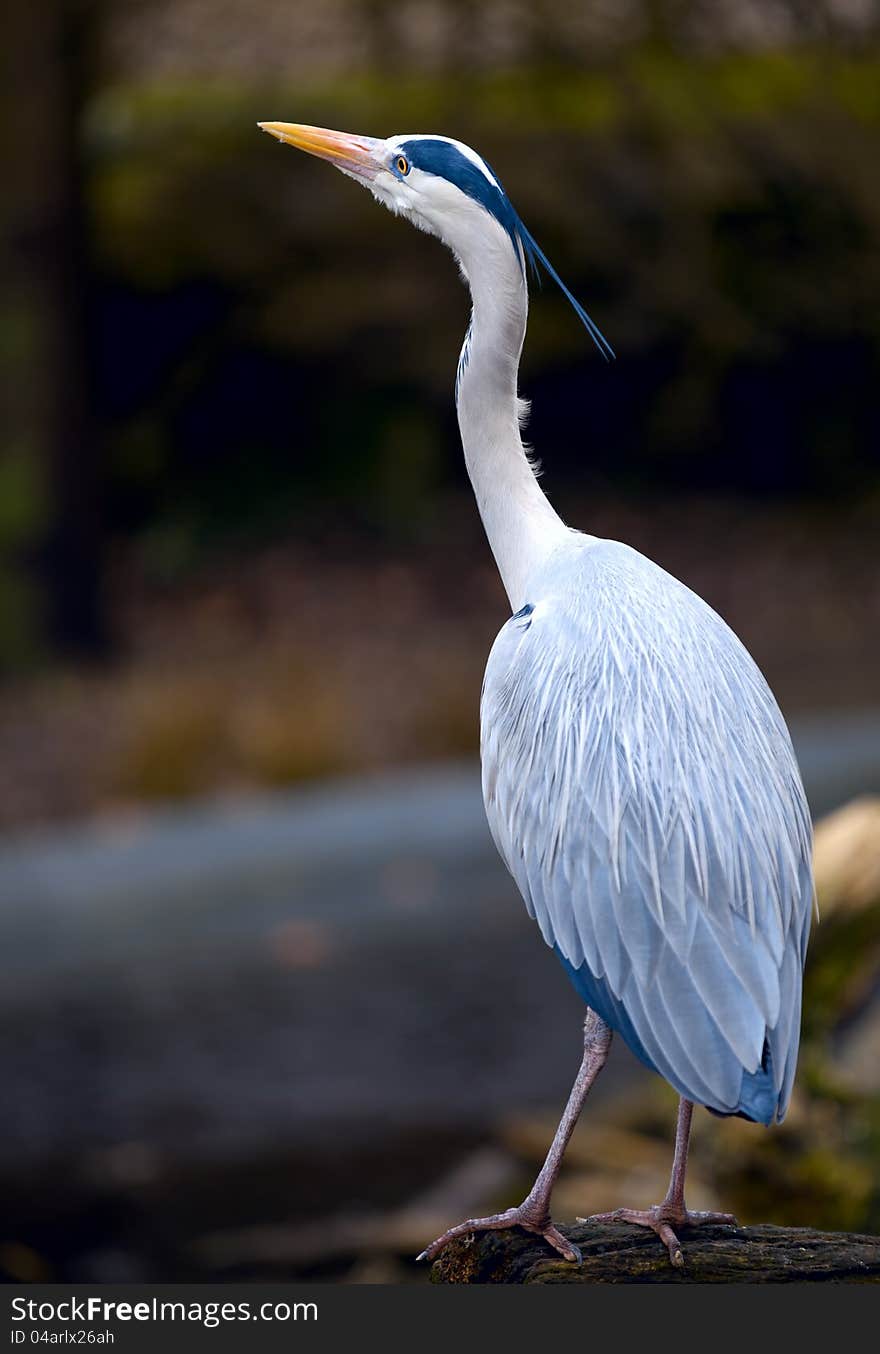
642,789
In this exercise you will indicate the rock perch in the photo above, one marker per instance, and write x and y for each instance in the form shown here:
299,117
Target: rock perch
614,1253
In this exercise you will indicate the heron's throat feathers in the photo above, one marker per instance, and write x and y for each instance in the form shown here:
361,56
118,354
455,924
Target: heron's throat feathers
522,527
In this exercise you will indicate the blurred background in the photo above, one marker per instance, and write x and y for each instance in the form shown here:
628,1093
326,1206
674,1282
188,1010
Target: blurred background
270,1004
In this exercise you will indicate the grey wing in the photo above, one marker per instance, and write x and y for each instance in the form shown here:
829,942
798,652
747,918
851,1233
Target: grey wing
641,787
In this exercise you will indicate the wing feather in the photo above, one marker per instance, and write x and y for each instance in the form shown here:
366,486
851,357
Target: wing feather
641,786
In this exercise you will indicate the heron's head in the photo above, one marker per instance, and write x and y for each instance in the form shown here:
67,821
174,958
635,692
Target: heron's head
441,185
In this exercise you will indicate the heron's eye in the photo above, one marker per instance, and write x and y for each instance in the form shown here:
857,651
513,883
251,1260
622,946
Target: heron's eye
402,165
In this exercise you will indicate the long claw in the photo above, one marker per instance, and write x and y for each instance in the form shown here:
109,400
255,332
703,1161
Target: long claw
499,1222
492,1224
671,1242
567,1249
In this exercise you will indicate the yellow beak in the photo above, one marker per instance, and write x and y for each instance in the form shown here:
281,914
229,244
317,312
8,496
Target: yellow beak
354,154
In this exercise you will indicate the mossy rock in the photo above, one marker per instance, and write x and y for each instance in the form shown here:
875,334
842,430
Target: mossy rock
617,1253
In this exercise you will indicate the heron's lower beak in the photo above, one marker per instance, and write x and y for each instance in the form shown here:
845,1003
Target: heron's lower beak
354,154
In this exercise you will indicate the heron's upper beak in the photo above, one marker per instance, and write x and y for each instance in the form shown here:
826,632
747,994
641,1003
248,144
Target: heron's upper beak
353,154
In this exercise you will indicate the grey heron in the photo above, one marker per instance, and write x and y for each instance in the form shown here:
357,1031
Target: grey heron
638,776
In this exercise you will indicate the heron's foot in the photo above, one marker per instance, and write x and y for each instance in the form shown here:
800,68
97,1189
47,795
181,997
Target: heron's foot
531,1216
665,1219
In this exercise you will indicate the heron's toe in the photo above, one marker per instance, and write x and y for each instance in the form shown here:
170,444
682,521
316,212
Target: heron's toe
526,1216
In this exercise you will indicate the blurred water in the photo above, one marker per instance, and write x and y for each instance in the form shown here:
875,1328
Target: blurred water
329,962
314,966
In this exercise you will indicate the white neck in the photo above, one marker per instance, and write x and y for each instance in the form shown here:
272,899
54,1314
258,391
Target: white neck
522,527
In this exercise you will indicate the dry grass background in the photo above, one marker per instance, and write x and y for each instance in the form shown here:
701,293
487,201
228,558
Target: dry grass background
309,659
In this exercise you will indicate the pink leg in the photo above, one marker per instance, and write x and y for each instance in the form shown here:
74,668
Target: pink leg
672,1212
534,1212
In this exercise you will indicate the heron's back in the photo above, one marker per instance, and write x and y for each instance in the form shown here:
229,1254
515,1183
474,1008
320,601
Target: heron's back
642,789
